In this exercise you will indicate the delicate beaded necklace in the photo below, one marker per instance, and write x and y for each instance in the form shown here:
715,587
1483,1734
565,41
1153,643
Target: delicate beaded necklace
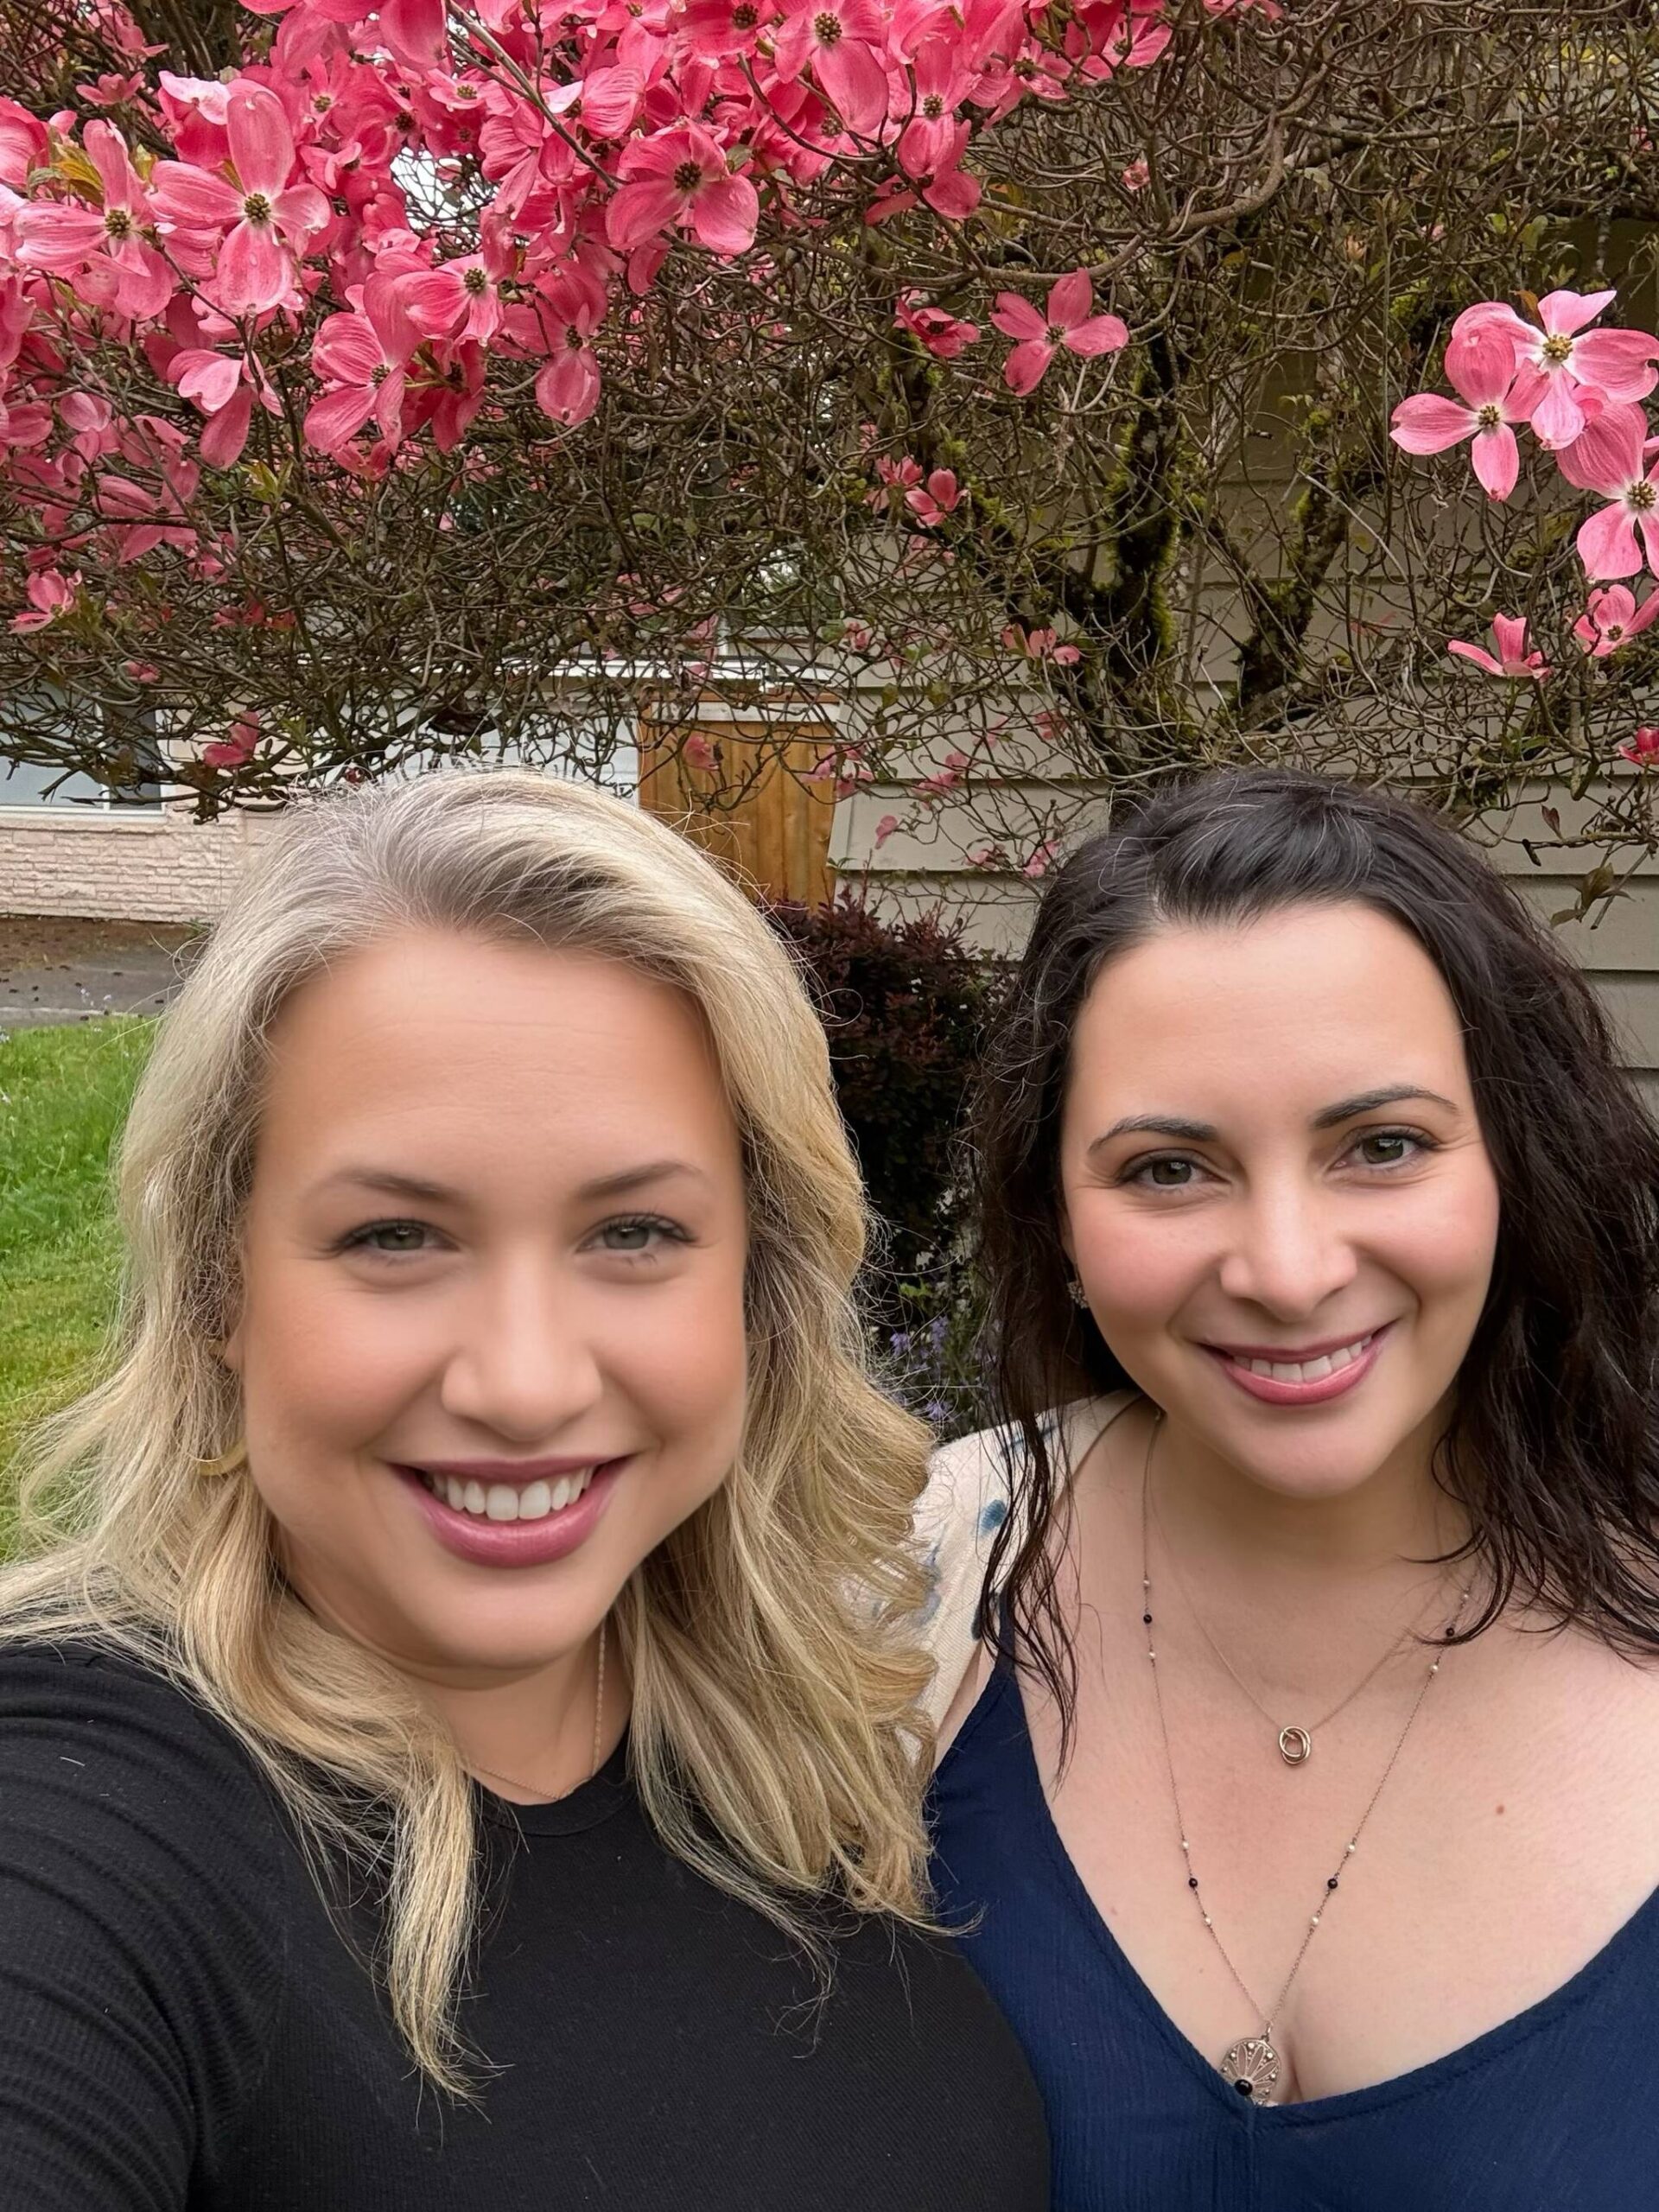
1252,2064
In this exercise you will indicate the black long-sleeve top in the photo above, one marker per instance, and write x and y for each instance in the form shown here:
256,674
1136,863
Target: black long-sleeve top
185,2028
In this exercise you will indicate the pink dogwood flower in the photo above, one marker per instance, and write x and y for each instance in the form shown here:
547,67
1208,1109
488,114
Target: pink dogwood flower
1612,618
238,748
103,250
1513,659
215,383
720,28
1555,361
1034,72
462,298
1642,750
50,593
1608,456
364,360
843,41
940,495
1066,321
109,89
680,180
942,84
1039,645
1480,365
896,478
262,224
933,327
567,387
949,190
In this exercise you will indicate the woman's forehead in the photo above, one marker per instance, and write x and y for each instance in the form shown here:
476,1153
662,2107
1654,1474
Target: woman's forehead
1307,1002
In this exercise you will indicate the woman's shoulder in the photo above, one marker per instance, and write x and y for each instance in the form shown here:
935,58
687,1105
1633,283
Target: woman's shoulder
970,1490
96,1731
147,1909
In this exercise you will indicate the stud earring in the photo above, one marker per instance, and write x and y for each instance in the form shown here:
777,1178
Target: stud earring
1077,1294
227,1463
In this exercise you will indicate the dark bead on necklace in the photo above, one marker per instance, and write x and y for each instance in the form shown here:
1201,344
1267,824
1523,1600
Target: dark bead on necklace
1242,2087
1147,1618
1332,1884
1192,1881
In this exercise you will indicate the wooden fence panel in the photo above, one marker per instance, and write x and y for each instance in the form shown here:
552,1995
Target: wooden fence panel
751,810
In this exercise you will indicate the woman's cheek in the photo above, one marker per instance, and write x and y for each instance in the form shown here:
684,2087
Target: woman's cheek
1140,1272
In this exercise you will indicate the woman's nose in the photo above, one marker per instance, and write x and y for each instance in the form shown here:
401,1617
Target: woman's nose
523,1361
1289,1252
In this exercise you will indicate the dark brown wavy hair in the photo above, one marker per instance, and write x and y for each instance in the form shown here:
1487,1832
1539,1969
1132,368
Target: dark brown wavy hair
1552,1449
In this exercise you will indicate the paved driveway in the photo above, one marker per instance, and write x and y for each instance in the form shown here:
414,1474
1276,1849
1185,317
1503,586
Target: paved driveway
79,971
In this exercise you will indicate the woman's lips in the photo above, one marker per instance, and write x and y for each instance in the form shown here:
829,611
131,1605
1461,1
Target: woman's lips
1346,1368
514,1543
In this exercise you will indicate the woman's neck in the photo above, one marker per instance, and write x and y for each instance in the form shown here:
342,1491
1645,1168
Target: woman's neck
1398,1514
1299,1590
539,1735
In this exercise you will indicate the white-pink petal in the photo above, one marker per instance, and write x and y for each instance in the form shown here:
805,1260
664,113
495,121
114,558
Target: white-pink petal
1497,460
262,145
1607,545
1564,313
1558,418
1102,334
1429,422
1481,366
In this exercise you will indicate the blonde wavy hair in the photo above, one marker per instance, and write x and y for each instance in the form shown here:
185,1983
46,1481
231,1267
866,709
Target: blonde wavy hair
776,1741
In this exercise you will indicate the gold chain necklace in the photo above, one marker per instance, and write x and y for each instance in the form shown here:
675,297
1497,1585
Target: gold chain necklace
1296,1743
1252,2064
532,1796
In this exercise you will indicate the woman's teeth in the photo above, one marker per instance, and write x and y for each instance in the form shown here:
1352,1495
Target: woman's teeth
1307,1370
508,1501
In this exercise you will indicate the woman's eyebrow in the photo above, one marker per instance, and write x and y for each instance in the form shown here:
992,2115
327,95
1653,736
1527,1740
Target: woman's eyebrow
1158,1125
1190,1131
630,1179
393,1185
1367,1102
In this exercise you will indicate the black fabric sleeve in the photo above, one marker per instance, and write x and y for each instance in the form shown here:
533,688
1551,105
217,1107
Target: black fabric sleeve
142,1916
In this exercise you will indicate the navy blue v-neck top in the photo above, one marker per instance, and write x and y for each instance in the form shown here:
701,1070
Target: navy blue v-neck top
1556,2111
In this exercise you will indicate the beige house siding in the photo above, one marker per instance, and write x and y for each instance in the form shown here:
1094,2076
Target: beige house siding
916,871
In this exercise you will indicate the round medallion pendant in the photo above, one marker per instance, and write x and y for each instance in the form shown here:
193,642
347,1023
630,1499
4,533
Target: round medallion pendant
1296,1747
1252,2068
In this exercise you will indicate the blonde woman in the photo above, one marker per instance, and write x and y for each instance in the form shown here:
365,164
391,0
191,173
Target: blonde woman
449,1756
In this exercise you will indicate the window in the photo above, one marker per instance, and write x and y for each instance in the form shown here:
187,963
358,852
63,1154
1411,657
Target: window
132,732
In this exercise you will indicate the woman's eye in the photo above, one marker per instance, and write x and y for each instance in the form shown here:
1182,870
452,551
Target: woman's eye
392,1236
1167,1175
639,1235
1389,1148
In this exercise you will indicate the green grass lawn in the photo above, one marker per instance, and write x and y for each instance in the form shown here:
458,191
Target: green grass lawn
62,1096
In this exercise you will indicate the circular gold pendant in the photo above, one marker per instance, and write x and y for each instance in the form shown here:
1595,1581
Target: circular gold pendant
1252,2068
1296,1747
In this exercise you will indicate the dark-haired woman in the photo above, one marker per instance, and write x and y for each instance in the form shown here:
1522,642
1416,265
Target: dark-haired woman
1302,1790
